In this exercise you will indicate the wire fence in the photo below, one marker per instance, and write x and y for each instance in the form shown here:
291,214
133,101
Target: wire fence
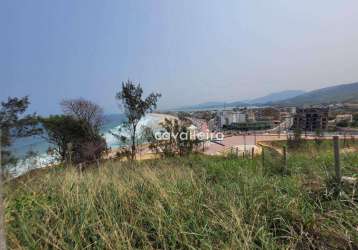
336,161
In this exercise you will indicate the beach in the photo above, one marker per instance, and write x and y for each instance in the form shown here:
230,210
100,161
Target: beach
113,124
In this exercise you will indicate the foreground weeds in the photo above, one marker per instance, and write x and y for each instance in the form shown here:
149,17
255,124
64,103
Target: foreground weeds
184,203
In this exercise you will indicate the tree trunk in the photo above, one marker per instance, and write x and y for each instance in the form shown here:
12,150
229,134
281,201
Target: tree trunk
133,150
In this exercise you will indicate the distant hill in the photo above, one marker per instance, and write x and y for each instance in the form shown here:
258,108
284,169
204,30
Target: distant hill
275,97
336,94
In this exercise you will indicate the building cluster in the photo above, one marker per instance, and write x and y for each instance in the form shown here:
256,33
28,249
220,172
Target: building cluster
315,119
251,119
310,119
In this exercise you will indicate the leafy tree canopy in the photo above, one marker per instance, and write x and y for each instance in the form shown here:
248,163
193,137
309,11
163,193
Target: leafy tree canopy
14,124
72,140
135,106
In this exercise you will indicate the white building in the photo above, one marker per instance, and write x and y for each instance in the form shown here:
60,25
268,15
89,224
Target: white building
228,117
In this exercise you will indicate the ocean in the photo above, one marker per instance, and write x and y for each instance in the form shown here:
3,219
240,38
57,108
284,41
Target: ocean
37,144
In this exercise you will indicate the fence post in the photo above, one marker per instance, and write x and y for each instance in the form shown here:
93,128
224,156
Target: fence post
263,157
252,153
2,219
284,158
344,140
244,141
337,163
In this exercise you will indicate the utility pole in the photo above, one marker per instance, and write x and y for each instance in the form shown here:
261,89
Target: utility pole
2,224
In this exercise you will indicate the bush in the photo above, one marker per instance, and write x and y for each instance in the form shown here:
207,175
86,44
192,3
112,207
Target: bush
174,144
72,139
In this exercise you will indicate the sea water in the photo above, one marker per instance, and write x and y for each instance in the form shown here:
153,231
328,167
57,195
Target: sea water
38,145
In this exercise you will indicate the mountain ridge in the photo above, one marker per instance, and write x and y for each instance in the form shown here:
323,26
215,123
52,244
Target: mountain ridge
276,96
339,93
328,95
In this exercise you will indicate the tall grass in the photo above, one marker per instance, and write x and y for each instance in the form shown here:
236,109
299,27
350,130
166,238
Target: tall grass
184,203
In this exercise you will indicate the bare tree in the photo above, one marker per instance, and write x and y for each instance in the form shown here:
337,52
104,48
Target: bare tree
80,127
90,113
135,107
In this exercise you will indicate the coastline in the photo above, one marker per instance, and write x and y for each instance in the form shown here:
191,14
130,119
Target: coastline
44,160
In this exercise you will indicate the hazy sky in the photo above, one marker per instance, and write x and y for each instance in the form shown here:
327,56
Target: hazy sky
189,50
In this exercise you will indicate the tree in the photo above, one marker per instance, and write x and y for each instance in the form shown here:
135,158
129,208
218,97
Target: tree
88,112
14,124
168,146
77,133
92,118
72,139
177,139
135,107
61,131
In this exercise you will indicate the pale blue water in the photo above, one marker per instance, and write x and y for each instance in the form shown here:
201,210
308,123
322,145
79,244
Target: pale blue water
38,144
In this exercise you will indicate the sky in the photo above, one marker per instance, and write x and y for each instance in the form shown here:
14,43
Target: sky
190,51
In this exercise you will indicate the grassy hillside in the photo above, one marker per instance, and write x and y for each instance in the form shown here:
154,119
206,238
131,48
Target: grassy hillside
335,94
187,203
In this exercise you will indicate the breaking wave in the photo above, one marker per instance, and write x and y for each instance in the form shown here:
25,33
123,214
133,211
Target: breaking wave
43,159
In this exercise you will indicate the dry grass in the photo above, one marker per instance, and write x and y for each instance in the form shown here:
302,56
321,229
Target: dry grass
184,203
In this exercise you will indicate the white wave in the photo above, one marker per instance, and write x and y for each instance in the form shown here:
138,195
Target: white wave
44,159
150,120
34,162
